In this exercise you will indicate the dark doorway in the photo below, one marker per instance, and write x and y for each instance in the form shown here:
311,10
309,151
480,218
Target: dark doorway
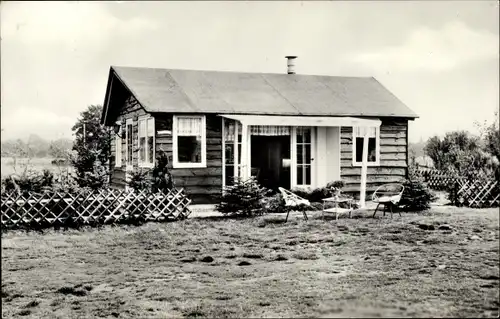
271,161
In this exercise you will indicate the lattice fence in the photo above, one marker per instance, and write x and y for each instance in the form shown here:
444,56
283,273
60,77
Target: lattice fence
102,207
436,179
477,193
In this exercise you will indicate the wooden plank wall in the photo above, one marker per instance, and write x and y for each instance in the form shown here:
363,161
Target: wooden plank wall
393,157
202,185
131,109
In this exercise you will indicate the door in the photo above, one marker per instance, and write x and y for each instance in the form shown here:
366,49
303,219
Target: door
303,172
269,161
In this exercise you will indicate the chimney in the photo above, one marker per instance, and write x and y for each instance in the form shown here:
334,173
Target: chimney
290,64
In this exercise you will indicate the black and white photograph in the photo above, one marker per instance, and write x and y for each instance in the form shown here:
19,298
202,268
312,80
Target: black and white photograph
250,159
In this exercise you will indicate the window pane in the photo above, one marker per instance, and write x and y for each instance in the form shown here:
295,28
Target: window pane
372,149
142,128
189,126
307,135
307,170
142,149
300,175
372,131
229,175
151,155
300,138
300,154
359,149
189,149
307,159
239,153
230,153
150,127
129,143
228,131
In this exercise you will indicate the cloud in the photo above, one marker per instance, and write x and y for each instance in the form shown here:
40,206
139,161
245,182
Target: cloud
426,49
48,23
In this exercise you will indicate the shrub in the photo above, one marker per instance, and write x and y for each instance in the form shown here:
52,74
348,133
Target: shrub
161,177
157,179
28,181
139,180
244,198
416,196
274,204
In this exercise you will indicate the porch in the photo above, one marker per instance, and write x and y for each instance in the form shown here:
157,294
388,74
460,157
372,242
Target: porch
286,151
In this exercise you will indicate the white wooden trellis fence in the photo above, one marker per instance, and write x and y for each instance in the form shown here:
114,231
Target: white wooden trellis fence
101,207
478,193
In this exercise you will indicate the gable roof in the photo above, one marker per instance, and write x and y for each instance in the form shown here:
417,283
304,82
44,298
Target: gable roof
191,91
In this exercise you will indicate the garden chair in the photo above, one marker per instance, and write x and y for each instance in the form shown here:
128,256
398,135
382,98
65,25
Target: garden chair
388,195
293,201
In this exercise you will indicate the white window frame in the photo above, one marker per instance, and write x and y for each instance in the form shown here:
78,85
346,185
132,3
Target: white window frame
175,147
293,169
118,146
145,163
129,165
377,148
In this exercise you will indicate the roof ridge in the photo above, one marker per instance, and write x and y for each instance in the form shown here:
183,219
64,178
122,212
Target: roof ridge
241,72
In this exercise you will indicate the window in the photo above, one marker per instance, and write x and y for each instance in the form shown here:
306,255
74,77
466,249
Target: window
146,135
129,142
189,141
373,136
232,154
118,147
303,152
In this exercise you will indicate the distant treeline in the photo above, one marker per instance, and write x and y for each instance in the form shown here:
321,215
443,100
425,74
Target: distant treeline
36,147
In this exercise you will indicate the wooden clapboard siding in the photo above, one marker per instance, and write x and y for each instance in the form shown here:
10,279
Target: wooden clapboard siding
131,109
118,178
393,157
202,185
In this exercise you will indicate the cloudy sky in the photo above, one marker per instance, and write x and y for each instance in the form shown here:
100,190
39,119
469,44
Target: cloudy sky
440,58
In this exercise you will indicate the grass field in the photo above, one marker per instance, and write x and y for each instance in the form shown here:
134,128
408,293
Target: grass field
37,164
411,266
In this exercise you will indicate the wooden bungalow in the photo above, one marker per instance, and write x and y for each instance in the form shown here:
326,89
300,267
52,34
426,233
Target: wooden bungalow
288,130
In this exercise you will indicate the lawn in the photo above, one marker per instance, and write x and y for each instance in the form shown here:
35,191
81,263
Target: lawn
411,266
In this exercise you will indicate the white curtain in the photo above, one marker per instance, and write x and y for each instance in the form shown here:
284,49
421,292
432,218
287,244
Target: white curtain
189,126
151,127
359,131
270,130
142,128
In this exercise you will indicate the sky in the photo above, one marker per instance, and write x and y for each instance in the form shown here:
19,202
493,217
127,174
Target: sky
439,58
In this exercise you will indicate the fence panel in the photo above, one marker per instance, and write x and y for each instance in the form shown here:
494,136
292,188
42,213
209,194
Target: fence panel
101,207
478,191
478,194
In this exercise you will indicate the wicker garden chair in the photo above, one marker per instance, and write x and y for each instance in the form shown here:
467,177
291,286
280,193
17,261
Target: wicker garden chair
293,201
388,195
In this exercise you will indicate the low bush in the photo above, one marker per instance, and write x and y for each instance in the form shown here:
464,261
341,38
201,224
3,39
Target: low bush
416,196
140,180
28,182
157,179
274,204
243,198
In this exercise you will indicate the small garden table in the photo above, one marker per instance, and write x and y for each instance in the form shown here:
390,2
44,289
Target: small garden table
336,209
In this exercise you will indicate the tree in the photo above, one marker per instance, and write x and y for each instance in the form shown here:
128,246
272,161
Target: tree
490,133
60,148
461,152
92,147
